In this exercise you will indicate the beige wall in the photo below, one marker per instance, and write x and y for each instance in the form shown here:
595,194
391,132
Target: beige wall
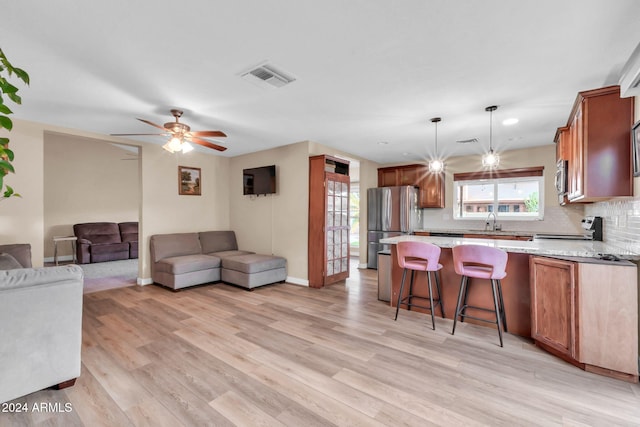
162,210
86,180
21,218
276,223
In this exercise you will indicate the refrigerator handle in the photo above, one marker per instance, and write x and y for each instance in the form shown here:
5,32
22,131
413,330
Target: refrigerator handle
386,209
405,210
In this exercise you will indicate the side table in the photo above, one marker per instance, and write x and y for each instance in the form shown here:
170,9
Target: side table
57,239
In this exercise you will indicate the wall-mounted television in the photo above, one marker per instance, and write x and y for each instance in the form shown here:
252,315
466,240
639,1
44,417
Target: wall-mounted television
256,181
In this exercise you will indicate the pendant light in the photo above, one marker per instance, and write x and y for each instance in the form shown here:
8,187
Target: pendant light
490,160
436,165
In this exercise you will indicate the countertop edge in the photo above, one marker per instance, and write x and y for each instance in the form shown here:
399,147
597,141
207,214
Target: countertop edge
570,248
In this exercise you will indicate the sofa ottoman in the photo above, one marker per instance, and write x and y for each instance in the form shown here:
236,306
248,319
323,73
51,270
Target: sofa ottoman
253,270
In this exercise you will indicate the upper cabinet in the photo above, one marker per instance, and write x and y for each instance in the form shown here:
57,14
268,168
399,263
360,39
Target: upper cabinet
430,185
597,144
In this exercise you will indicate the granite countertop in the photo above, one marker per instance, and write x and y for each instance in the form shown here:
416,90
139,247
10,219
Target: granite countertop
571,248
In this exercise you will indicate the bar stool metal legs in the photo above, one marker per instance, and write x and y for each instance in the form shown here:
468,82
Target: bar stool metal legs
498,305
408,299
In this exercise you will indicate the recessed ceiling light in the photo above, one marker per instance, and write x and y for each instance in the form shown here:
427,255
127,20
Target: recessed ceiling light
509,122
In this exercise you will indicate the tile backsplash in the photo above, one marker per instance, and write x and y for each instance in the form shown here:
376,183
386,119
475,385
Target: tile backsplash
557,219
621,221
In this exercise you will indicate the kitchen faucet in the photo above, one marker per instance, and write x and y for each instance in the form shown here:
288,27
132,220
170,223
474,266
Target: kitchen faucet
494,226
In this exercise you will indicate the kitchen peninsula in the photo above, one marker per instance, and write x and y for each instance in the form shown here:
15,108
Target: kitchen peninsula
561,293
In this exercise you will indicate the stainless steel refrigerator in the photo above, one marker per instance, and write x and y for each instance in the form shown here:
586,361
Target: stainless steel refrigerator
391,211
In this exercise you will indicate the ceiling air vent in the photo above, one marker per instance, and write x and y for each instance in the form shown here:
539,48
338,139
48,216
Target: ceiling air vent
267,75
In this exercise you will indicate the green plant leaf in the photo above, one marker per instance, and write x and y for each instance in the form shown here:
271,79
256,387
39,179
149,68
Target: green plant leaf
6,152
7,87
4,141
15,98
22,75
8,192
5,122
4,109
6,166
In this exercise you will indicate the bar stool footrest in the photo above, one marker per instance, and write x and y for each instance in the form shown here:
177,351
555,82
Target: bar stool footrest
436,303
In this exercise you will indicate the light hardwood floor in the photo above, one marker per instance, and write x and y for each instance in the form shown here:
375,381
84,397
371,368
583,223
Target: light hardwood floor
218,355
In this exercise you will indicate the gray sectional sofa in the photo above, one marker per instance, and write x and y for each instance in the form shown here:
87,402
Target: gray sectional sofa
186,259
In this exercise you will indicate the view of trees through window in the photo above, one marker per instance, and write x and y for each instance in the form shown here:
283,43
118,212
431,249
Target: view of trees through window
508,197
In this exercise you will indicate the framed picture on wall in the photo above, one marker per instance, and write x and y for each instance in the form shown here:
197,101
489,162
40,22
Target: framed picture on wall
189,181
635,137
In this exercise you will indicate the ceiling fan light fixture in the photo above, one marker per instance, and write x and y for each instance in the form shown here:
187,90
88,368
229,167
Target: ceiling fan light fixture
167,147
178,132
175,143
491,160
436,165
186,147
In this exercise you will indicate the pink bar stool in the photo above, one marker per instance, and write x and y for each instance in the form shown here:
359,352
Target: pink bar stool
481,262
419,256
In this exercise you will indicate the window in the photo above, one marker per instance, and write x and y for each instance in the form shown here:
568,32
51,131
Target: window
516,194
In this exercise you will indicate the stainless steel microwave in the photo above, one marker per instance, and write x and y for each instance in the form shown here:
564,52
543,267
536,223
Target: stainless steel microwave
561,178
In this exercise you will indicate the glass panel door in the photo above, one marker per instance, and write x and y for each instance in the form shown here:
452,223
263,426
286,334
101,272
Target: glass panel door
337,232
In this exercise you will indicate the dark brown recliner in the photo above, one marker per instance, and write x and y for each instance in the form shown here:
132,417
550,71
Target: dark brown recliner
99,242
129,233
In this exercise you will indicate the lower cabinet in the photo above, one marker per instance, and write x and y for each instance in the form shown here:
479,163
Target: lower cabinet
587,314
553,310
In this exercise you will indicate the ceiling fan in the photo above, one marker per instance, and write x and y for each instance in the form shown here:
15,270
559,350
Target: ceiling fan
180,135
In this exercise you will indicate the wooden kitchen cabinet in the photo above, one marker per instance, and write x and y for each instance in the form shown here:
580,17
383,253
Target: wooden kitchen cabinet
587,314
388,177
553,312
597,146
562,143
430,185
328,246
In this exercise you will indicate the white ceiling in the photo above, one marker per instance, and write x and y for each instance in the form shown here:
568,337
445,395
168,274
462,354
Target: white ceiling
368,71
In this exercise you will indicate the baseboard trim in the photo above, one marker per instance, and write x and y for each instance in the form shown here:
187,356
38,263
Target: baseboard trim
362,266
144,281
296,281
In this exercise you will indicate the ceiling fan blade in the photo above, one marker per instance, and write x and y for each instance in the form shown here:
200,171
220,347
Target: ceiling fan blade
152,124
207,144
134,134
208,133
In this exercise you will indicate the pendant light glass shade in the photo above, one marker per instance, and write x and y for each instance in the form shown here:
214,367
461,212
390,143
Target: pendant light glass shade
436,165
491,160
